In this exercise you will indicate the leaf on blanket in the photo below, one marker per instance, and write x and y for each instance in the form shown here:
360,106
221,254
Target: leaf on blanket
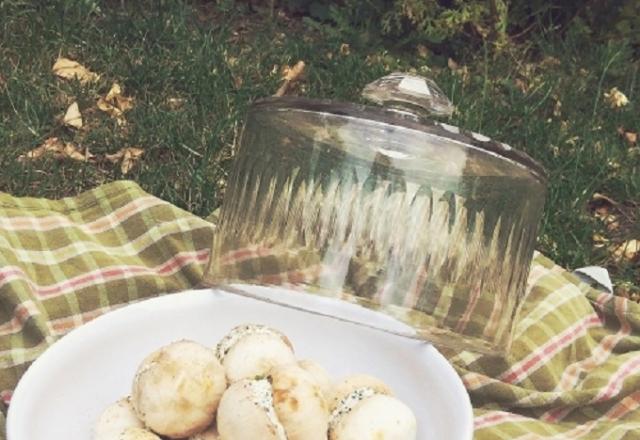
73,117
59,149
290,75
115,104
69,69
604,208
127,157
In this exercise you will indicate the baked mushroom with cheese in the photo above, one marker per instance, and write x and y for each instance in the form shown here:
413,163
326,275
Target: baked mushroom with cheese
355,382
369,412
115,419
246,412
177,389
299,403
250,351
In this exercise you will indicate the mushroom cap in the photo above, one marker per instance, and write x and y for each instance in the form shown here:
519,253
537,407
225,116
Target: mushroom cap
116,418
377,416
251,351
246,412
299,403
137,434
354,382
177,389
320,375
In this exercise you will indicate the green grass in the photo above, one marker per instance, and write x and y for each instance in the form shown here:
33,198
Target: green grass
217,62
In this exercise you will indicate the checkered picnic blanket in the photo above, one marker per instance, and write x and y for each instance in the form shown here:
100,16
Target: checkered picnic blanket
573,371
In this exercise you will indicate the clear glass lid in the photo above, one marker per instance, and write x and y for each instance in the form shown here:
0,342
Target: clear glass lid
379,207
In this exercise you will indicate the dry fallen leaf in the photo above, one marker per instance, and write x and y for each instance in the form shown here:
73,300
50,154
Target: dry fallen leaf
115,104
59,149
616,98
115,97
557,108
462,72
290,75
601,206
293,73
602,199
127,157
627,251
175,103
520,84
73,117
631,137
599,240
345,49
69,69
550,61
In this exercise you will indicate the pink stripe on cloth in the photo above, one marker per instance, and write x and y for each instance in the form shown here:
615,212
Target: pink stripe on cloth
600,303
556,414
248,253
169,267
5,396
536,359
474,381
600,353
48,223
471,306
603,298
612,389
616,412
62,326
616,380
493,418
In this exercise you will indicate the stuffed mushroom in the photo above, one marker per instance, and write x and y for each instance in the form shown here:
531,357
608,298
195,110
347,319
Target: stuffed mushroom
299,403
366,414
115,420
247,412
355,382
177,389
250,351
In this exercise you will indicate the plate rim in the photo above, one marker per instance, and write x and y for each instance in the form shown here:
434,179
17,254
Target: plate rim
36,369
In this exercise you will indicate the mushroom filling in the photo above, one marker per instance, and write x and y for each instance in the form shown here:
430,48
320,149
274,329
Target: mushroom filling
348,403
263,393
238,333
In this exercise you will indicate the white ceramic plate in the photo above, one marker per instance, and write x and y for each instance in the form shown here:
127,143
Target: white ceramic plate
64,391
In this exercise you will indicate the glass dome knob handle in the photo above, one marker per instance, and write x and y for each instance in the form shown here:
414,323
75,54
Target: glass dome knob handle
409,93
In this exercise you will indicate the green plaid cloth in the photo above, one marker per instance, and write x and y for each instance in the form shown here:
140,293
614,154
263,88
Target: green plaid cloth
573,371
